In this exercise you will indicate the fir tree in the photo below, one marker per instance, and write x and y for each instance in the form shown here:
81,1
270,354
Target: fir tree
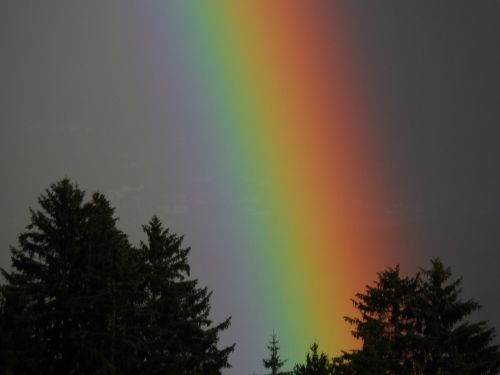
386,325
181,337
107,303
38,328
81,300
68,296
316,364
274,362
449,343
417,325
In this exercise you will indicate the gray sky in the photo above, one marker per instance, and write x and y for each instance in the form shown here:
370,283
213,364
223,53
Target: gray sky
78,98
432,68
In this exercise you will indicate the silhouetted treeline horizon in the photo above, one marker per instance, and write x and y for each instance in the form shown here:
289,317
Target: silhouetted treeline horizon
415,325
79,298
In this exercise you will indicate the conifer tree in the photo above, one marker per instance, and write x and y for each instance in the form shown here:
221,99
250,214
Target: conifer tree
316,363
37,290
451,344
68,296
386,325
180,335
274,362
417,325
81,300
108,297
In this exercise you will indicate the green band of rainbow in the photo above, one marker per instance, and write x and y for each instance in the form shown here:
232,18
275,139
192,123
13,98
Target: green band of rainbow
278,85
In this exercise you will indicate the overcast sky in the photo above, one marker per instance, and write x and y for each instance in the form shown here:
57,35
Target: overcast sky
76,101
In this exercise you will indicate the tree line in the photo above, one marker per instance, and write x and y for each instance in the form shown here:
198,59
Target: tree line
408,325
81,299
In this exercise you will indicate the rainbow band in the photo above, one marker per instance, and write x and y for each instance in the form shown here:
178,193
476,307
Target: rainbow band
277,83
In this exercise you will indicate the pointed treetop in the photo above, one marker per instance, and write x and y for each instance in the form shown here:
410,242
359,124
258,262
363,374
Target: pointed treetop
274,362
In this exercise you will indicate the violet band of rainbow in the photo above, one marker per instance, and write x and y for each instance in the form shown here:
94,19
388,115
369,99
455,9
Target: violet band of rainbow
280,94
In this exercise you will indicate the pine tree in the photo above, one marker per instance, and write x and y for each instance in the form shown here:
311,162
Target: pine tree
417,325
107,303
316,364
81,300
451,344
274,362
37,290
386,324
180,335
68,296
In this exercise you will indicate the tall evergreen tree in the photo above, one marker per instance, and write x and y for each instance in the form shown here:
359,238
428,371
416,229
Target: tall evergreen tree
80,300
386,325
39,286
417,325
274,362
451,345
68,295
107,302
180,335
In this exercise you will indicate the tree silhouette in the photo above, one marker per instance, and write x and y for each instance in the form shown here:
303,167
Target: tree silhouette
81,300
386,324
37,290
416,325
316,363
68,297
450,344
106,300
274,362
179,328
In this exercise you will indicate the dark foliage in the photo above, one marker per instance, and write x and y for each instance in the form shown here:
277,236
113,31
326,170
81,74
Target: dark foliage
413,326
316,364
178,326
274,362
81,300
417,325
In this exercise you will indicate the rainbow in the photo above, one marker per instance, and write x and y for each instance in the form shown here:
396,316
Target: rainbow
278,86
